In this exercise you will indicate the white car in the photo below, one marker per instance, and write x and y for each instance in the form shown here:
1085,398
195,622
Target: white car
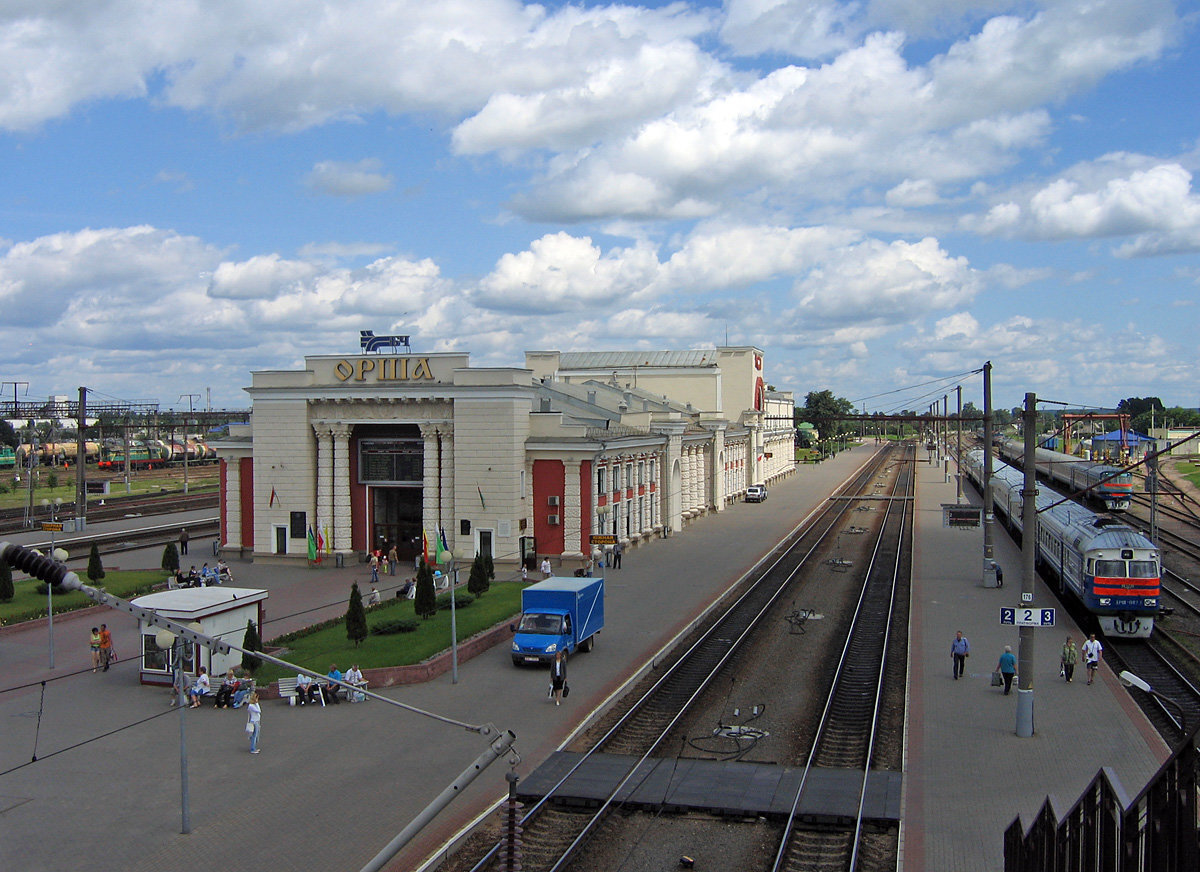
756,493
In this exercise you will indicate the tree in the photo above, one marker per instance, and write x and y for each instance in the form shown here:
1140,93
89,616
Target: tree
477,583
6,583
95,570
356,617
8,436
1135,406
825,412
251,642
425,603
489,567
170,558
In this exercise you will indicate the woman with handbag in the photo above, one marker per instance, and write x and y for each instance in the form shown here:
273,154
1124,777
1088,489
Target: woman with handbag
254,724
1007,667
558,676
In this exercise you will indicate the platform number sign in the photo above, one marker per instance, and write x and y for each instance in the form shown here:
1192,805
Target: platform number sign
1027,617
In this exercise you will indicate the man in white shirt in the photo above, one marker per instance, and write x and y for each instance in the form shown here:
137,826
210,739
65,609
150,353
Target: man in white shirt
1093,653
545,567
306,691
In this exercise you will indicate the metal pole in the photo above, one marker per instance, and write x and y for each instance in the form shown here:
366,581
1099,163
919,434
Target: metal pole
185,805
989,514
50,589
958,450
1029,522
453,629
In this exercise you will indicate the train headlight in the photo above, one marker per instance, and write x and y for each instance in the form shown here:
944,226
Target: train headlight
1150,602
1106,601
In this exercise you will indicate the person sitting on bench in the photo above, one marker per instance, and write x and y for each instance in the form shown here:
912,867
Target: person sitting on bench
306,689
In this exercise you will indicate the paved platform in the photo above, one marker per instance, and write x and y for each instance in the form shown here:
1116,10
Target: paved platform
968,774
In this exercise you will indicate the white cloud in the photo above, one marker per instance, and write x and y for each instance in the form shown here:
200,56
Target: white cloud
349,179
260,278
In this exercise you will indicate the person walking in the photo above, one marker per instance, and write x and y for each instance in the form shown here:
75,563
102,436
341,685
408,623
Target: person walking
1093,653
393,558
1068,658
95,645
106,646
374,569
546,569
183,540
960,650
1007,667
558,675
617,551
254,724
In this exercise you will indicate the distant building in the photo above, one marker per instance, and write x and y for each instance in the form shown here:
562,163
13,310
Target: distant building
372,450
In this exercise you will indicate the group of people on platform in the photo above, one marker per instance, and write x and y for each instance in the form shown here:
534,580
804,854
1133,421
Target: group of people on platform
1006,666
351,681
206,576
383,562
232,693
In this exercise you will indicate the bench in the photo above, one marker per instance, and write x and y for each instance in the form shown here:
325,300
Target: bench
287,690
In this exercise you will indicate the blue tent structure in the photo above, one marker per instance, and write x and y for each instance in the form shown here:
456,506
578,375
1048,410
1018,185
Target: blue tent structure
1132,437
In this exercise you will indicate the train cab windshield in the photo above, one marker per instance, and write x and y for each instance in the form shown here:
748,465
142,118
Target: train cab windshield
1126,569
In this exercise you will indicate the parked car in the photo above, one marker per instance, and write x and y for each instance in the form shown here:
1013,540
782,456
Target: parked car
756,493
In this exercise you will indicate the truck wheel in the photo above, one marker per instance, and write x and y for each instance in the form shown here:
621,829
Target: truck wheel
588,643
516,661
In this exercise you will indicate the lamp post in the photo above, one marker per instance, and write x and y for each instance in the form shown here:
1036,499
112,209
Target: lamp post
166,640
446,558
52,527
1130,680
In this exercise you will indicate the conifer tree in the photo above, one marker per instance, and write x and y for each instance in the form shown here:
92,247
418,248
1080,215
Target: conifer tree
477,583
489,567
356,617
251,642
7,591
170,558
425,604
95,570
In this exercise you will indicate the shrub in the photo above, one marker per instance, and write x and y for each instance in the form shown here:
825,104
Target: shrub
425,604
396,625
6,582
478,581
461,600
95,570
251,642
170,558
356,617
489,567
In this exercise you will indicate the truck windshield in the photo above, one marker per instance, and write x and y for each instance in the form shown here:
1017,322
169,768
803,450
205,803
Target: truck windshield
549,625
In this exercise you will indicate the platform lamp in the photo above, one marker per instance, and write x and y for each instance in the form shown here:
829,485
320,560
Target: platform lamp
1130,680
59,556
446,559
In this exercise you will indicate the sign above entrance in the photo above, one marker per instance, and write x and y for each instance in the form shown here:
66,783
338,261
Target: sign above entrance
602,539
368,341
391,370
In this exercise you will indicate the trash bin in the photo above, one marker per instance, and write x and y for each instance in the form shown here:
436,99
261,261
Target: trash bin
216,548
338,560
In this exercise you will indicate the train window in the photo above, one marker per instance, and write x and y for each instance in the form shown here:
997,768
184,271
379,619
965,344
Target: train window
1143,569
1110,568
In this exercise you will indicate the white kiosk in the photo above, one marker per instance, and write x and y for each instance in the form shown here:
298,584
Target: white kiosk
221,612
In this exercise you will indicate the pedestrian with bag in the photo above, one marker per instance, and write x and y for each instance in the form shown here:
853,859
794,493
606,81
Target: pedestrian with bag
106,647
1068,659
254,724
960,650
95,646
1007,667
558,677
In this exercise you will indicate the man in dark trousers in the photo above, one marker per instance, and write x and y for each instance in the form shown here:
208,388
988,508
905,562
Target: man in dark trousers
617,551
183,540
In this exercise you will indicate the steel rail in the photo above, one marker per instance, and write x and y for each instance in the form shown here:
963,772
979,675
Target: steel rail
831,511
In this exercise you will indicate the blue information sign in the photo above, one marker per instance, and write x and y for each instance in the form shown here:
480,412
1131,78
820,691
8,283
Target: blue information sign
1026,616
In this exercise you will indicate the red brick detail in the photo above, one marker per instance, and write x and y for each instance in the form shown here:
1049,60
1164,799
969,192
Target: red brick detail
549,480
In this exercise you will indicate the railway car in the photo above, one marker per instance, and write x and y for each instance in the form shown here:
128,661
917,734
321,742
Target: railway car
8,457
1109,567
1105,485
140,457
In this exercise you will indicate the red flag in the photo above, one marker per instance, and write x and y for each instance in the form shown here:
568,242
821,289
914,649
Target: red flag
271,502
425,546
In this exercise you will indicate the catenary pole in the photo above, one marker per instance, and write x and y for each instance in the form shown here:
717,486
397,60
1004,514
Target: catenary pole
1029,521
989,516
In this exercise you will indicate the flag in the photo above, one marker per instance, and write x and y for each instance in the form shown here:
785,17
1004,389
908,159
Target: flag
312,545
481,502
328,541
425,545
440,545
320,542
271,502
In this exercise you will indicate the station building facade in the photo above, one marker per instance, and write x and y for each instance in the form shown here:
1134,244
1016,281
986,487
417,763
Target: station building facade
370,450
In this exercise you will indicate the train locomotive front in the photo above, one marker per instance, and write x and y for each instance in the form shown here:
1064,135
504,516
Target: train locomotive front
1112,569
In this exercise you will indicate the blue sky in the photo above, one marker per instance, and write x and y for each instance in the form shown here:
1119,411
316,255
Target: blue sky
880,194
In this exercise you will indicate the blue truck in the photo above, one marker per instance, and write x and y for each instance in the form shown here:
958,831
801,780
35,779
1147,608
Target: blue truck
558,614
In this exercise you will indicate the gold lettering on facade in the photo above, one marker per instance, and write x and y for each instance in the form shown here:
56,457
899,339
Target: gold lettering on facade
343,370
365,365
421,367
389,369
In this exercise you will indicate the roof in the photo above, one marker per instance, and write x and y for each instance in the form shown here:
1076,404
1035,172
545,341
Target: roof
1131,436
627,359
200,601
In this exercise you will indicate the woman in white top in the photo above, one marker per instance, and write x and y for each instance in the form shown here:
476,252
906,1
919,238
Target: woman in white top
255,723
200,688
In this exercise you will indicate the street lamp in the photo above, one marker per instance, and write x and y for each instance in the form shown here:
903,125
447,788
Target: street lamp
168,641
447,560
55,553
1130,680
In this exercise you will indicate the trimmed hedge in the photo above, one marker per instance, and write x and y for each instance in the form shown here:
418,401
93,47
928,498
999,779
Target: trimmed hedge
464,599
397,625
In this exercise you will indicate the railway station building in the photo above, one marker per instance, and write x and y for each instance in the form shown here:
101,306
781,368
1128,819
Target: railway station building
366,451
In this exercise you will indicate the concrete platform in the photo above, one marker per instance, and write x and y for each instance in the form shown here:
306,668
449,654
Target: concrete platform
968,773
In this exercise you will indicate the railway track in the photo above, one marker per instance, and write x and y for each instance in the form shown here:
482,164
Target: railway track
556,833
1175,704
114,509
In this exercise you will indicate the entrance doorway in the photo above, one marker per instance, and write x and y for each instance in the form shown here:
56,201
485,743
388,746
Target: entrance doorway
396,520
281,537
485,543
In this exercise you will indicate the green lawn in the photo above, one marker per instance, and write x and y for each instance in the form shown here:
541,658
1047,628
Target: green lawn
1190,471
318,649
28,604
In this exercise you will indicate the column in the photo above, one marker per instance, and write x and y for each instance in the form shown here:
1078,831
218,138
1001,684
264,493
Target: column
574,536
430,484
343,529
233,502
324,477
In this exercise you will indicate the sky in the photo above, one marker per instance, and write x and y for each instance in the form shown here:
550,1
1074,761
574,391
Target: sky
882,195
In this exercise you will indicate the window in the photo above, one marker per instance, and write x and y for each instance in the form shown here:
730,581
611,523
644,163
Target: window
1110,568
616,476
641,472
600,476
391,461
1143,569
